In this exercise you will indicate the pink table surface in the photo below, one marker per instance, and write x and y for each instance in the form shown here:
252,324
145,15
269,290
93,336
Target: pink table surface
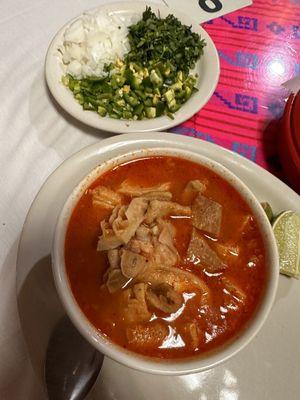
259,49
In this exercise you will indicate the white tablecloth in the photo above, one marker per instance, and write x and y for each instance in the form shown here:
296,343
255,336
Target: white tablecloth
36,136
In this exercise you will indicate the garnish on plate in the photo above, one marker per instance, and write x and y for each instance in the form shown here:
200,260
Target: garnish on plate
164,39
286,227
151,80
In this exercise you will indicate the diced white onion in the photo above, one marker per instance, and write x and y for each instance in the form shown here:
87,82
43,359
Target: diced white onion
93,40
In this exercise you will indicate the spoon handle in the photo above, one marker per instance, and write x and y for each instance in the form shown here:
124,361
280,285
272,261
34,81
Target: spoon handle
72,364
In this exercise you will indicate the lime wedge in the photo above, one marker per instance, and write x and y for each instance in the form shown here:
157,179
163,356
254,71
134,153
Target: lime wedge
286,227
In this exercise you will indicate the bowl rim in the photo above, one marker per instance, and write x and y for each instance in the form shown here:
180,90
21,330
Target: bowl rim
129,358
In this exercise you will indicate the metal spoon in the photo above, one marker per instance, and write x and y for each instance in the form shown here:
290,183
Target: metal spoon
72,364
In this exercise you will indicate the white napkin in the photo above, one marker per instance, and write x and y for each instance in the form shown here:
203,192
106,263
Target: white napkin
205,10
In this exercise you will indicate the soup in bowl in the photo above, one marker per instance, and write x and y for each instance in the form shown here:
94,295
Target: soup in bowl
165,261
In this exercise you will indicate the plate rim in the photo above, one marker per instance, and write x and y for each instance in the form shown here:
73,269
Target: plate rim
127,126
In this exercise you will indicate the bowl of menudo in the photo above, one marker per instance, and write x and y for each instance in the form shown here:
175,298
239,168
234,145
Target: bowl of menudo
165,261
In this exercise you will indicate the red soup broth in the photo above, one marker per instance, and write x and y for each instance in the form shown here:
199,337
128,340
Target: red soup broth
219,321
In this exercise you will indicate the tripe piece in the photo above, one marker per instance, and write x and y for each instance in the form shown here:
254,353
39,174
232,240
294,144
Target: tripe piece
199,252
207,215
105,197
130,189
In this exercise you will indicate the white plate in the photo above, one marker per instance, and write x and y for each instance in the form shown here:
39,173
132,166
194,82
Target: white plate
267,368
208,69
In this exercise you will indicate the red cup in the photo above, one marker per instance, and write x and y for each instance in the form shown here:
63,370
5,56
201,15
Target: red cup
289,141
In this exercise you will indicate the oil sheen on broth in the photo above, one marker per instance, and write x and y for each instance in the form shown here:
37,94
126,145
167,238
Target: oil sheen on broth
165,258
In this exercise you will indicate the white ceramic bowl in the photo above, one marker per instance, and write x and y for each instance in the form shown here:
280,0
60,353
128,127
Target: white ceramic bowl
128,358
208,69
